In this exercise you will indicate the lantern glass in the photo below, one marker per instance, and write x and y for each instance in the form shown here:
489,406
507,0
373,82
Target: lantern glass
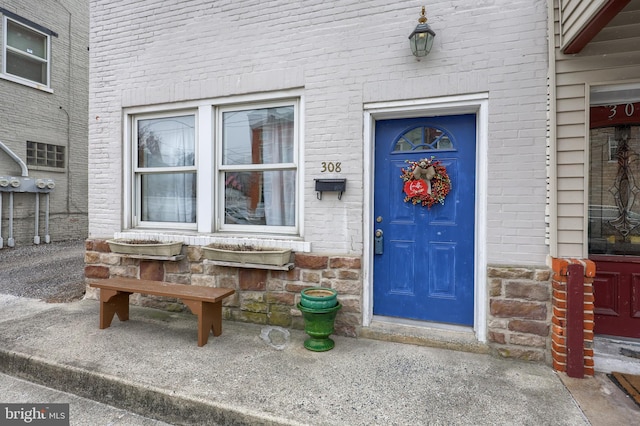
421,43
421,39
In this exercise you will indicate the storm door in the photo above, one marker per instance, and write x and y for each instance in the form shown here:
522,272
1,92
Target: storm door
614,217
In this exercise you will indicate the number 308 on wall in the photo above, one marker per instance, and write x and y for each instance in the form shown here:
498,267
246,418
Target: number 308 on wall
331,167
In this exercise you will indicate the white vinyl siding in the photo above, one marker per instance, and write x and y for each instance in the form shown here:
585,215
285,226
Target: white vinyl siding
575,15
575,74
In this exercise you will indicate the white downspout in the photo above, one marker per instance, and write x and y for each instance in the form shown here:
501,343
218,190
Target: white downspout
11,242
36,238
47,237
552,173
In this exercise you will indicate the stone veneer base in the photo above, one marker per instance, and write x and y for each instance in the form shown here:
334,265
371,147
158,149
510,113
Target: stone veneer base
520,297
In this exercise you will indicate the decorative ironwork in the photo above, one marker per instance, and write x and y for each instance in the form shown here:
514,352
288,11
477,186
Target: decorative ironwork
624,189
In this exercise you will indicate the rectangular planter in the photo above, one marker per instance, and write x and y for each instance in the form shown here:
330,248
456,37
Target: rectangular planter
171,248
267,256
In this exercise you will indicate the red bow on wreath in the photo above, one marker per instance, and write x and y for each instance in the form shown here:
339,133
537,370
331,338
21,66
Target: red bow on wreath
426,182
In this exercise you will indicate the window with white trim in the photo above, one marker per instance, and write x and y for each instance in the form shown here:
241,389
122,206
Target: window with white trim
257,167
165,169
251,171
26,52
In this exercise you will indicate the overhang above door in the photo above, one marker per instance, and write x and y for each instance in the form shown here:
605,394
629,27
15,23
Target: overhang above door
582,20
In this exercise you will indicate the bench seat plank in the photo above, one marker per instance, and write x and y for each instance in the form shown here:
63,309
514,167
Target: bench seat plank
205,302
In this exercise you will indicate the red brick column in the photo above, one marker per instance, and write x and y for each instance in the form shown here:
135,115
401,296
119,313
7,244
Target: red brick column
559,315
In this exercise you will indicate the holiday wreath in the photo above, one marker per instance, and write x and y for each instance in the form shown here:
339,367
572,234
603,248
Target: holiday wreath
426,182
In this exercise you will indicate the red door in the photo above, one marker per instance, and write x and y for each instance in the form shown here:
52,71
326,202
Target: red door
617,297
614,217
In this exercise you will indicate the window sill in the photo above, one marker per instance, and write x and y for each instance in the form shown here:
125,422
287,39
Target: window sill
26,83
203,240
47,169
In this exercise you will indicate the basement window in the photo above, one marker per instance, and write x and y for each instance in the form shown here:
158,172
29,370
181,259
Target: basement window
45,155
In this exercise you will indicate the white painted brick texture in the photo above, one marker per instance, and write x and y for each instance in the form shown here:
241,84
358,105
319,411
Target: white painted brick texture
341,54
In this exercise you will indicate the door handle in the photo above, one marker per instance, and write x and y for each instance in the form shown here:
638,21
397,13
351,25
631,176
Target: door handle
378,246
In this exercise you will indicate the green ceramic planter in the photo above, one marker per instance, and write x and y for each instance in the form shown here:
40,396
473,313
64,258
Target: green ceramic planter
318,298
318,324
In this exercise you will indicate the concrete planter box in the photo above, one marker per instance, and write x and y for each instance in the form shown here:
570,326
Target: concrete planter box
147,248
258,256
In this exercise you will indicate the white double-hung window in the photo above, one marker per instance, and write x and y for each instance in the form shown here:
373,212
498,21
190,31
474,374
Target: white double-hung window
257,168
26,53
238,169
165,170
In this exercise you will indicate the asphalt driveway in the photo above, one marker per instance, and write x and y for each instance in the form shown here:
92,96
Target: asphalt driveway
51,272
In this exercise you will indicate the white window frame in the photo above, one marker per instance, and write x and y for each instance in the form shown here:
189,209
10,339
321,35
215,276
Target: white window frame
5,47
221,169
137,172
210,187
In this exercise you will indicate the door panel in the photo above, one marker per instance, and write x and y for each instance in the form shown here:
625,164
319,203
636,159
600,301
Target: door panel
606,285
635,296
426,270
615,290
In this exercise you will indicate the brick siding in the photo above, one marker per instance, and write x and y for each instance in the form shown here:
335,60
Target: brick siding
58,118
341,55
559,318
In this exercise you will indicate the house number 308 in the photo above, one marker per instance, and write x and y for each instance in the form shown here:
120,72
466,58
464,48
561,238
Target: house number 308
331,167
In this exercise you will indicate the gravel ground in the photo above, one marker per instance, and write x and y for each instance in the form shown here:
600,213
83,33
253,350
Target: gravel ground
51,272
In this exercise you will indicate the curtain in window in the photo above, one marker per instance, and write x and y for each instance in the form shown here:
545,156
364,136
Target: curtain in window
164,144
278,186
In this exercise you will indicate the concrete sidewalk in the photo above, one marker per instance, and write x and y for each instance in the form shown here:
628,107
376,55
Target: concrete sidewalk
253,375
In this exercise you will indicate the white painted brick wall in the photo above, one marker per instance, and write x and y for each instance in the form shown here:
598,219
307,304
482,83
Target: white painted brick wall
343,53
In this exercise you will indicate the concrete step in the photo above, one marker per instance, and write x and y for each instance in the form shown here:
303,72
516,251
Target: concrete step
613,353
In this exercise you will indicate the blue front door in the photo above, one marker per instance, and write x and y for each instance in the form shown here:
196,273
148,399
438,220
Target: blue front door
424,261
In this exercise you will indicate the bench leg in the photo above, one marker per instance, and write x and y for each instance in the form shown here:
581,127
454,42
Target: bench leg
209,318
113,302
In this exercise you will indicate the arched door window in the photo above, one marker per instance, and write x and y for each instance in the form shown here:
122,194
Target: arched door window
424,138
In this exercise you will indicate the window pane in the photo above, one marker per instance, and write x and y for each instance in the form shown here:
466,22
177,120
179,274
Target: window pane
614,207
166,142
26,67
26,40
168,197
260,198
260,136
423,139
414,136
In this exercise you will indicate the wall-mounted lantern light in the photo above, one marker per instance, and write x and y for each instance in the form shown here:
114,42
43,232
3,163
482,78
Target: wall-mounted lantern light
421,39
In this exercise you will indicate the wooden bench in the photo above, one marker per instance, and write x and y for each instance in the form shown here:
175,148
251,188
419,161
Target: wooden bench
205,302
